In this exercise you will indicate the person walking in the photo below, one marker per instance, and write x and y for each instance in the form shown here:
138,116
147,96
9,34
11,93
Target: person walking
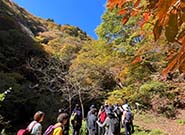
101,118
127,120
111,123
35,127
91,123
91,109
77,120
61,121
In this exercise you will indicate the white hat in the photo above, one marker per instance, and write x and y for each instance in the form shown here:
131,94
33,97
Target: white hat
125,107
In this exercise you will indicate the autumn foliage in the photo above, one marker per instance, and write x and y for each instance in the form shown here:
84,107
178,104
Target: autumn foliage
169,15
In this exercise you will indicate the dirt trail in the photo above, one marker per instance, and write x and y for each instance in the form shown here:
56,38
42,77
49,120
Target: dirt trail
170,127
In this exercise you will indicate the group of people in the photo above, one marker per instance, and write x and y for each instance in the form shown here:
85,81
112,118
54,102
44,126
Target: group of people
35,127
108,120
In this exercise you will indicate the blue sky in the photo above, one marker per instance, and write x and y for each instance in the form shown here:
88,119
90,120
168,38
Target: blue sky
85,14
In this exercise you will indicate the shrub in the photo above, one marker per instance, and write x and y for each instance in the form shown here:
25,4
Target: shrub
2,96
148,132
181,122
149,89
50,20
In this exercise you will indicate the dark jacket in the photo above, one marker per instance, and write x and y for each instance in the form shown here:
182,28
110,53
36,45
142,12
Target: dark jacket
78,120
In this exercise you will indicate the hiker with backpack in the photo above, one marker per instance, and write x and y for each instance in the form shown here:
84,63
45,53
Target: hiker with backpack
101,118
76,120
111,123
118,112
91,122
89,114
126,104
35,127
65,126
57,129
127,120
92,107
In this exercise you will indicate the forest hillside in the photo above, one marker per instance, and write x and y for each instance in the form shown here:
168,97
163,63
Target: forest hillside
35,57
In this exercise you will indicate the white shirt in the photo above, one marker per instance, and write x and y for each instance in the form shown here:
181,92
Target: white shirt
36,129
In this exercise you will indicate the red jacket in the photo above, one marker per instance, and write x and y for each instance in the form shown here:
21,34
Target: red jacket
102,116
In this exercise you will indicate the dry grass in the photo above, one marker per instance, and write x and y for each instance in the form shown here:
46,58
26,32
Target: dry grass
151,122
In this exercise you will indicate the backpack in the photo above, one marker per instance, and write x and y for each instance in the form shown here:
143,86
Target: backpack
115,125
102,116
118,113
128,117
49,130
25,131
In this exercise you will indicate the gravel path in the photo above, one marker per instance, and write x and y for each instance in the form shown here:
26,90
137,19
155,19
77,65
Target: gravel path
170,127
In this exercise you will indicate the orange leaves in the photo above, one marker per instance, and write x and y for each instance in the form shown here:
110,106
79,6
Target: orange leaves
134,12
125,20
146,17
172,28
137,3
157,30
182,17
178,62
163,7
167,12
170,16
181,37
128,11
182,66
167,17
113,3
171,55
137,60
122,11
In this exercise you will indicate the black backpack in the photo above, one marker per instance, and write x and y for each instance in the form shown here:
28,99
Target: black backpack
128,117
115,125
118,112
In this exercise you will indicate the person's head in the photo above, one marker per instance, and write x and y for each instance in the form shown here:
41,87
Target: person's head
111,108
125,107
92,107
126,101
63,118
102,108
106,105
77,106
110,111
39,116
94,111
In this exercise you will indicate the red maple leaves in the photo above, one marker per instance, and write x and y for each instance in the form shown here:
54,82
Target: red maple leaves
170,16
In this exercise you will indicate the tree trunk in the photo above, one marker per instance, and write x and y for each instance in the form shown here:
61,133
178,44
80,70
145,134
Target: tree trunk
70,101
81,103
70,104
